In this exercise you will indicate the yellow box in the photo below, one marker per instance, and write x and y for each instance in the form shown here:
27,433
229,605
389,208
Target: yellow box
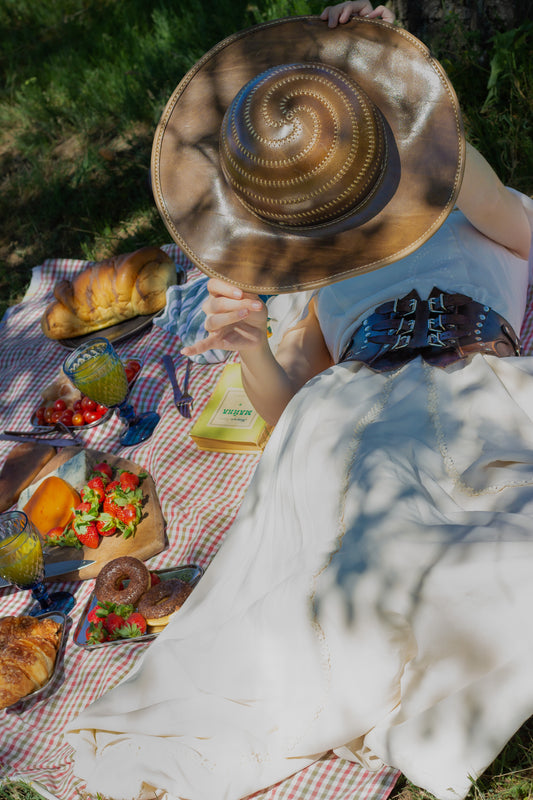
229,423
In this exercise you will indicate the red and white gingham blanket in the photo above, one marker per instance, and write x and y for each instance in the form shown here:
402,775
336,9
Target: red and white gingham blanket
199,494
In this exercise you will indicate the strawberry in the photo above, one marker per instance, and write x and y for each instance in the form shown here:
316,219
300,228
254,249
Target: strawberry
112,622
134,625
127,514
88,535
106,525
83,508
110,507
137,624
92,498
96,633
123,505
55,533
96,485
128,481
64,537
108,607
127,518
103,468
93,615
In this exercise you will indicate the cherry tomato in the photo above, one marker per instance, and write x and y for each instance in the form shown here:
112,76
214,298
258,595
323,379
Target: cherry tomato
90,416
66,416
39,415
48,411
131,368
101,410
54,416
60,404
77,418
87,404
76,406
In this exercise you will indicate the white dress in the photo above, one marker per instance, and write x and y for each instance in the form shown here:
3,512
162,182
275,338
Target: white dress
374,594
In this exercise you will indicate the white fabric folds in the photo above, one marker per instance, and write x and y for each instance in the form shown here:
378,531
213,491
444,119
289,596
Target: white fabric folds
373,597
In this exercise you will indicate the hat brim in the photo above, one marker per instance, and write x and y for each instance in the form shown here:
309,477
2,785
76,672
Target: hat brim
426,156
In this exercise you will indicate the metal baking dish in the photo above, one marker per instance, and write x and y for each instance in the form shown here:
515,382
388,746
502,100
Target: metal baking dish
188,573
62,620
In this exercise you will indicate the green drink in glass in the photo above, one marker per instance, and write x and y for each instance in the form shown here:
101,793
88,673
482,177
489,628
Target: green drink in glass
22,563
97,371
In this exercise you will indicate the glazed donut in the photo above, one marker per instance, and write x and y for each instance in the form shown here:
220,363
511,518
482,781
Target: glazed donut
109,583
162,600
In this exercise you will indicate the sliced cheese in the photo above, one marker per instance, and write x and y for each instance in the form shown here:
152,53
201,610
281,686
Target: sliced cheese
51,504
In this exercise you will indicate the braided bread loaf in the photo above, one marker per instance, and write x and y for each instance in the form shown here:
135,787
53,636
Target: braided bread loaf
110,292
28,650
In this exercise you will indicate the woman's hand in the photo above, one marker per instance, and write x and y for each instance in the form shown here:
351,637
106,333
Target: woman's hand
234,320
237,320
342,12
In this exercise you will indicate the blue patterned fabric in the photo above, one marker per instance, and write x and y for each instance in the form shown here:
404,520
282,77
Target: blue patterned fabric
183,316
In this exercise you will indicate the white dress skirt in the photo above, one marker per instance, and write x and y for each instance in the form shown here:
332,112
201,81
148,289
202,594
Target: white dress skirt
375,591
373,597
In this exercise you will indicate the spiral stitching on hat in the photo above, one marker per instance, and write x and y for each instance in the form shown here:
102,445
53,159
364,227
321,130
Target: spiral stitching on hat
274,89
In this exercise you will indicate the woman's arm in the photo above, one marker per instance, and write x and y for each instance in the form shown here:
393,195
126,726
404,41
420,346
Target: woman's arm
491,208
236,320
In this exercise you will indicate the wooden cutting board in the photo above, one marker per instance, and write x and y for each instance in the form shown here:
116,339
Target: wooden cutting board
149,539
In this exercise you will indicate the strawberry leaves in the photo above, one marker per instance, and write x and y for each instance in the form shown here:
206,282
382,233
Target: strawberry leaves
111,505
111,621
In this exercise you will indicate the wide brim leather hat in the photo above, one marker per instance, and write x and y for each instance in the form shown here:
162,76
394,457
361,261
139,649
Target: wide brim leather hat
293,155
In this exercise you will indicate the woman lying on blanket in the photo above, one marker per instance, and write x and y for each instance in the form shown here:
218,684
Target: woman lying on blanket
374,594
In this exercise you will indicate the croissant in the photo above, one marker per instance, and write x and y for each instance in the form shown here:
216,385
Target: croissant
28,650
109,292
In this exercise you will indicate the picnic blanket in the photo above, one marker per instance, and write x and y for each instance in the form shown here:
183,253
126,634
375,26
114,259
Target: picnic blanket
199,493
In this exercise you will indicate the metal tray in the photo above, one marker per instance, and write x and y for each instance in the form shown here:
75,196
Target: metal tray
63,620
44,429
40,429
189,573
114,333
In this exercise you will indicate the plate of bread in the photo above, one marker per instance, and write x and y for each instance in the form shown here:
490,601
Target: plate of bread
119,295
30,656
131,604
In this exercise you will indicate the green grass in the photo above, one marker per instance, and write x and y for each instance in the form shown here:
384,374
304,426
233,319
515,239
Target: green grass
509,777
84,84
15,790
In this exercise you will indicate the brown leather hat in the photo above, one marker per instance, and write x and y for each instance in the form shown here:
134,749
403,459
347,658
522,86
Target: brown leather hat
293,155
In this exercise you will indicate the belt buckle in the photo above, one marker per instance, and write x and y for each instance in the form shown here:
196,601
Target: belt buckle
432,302
435,324
435,340
400,330
412,306
402,340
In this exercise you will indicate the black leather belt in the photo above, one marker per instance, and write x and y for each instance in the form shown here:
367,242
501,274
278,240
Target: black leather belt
442,329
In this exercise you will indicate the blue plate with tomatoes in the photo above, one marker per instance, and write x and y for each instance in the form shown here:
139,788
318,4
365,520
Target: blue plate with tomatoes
84,413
